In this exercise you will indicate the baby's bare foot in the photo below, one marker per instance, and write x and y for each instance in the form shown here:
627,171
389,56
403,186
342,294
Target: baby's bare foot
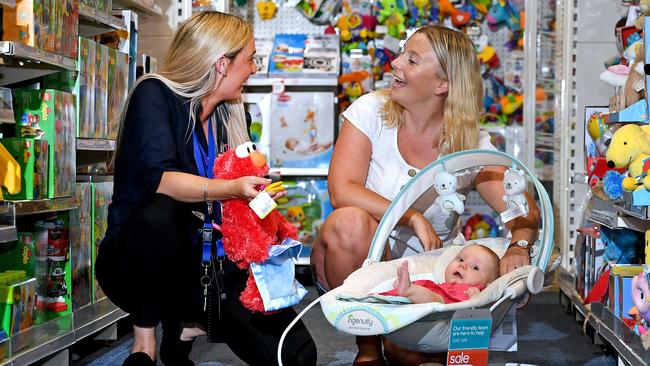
403,278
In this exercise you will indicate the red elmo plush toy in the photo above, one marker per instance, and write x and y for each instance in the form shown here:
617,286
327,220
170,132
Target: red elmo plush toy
246,237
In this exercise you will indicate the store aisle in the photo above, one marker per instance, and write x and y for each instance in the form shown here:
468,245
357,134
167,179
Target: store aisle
547,336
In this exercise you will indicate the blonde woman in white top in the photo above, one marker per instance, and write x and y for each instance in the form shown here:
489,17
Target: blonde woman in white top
432,109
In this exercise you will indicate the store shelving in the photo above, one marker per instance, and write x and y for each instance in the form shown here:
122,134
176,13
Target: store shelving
93,21
95,144
28,62
606,325
138,5
45,205
9,3
94,317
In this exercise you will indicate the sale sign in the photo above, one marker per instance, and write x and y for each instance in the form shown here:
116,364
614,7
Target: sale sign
469,337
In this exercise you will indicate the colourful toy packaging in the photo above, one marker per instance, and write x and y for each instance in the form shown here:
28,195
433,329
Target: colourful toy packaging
303,131
87,82
21,24
6,106
322,55
620,288
263,47
101,92
118,80
17,302
49,114
288,54
306,205
32,156
102,194
70,29
47,34
129,45
81,229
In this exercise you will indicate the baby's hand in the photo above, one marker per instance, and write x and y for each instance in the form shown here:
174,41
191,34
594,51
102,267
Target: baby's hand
472,291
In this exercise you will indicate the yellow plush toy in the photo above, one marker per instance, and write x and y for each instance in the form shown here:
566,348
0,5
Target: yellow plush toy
647,247
629,147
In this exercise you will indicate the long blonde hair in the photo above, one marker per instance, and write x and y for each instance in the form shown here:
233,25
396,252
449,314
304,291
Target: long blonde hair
460,68
189,68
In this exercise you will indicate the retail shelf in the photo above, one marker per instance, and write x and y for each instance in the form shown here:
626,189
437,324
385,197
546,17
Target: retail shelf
299,172
93,22
9,3
289,81
626,207
42,340
619,222
96,144
611,329
45,205
28,62
94,317
138,5
8,233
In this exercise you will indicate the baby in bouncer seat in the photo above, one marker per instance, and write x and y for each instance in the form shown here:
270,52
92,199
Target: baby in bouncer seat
473,268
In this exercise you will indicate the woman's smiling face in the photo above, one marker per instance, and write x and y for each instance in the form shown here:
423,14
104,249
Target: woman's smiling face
416,73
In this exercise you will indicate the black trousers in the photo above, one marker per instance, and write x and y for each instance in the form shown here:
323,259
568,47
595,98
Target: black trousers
152,271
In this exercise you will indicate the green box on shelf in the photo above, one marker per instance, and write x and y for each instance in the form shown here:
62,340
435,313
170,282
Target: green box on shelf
50,114
17,305
31,155
81,247
102,195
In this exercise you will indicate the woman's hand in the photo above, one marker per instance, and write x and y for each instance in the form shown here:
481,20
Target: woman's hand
424,231
247,187
514,258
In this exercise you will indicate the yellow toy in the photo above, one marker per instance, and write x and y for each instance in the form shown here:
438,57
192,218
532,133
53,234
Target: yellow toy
645,10
10,173
266,9
629,147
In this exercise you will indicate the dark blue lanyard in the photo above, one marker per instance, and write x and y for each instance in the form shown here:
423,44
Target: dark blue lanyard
205,163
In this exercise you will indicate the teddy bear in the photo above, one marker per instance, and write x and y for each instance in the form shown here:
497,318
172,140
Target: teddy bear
628,148
514,184
448,200
247,237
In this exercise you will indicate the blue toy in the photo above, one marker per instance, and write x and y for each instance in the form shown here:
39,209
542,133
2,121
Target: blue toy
619,245
613,184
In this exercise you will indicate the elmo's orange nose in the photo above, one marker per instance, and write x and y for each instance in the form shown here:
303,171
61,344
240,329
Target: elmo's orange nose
258,159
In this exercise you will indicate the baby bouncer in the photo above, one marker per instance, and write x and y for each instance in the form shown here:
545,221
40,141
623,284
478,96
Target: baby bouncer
425,327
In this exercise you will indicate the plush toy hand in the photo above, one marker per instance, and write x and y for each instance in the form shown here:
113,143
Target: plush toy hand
424,231
514,258
629,184
646,182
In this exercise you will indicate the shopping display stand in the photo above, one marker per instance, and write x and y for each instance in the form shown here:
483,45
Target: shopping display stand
49,341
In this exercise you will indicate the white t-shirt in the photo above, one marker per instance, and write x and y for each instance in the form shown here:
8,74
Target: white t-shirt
389,172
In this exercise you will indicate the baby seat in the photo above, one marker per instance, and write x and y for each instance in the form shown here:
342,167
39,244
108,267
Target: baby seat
425,327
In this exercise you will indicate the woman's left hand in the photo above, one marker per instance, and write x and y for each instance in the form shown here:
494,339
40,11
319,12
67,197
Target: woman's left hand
514,258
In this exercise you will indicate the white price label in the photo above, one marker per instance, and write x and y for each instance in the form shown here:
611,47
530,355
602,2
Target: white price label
262,204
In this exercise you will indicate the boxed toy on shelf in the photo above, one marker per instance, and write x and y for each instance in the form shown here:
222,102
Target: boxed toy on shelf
620,290
263,48
301,55
50,115
306,205
81,226
118,80
6,106
101,92
303,133
101,5
102,193
32,157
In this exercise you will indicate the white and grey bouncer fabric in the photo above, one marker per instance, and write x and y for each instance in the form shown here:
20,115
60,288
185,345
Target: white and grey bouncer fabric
425,327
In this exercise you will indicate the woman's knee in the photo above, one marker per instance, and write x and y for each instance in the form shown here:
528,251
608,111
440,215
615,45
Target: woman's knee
348,229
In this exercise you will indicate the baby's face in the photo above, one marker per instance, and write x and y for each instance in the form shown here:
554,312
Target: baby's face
472,266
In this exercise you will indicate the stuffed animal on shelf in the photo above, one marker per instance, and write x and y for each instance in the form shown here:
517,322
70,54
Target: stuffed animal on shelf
445,184
629,148
619,245
247,237
514,184
641,297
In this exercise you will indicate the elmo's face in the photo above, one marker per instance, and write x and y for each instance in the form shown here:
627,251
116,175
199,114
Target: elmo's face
244,160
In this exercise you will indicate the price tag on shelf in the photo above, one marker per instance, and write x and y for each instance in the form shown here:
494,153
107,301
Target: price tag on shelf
278,87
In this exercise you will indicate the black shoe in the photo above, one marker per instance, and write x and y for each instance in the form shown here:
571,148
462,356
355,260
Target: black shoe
176,352
139,359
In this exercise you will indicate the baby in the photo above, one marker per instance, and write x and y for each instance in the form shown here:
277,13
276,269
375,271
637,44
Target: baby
474,267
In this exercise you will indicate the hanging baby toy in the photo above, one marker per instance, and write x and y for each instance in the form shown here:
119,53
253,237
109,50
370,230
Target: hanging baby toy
448,199
258,239
514,184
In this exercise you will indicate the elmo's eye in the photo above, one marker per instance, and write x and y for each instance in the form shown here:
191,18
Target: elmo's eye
245,149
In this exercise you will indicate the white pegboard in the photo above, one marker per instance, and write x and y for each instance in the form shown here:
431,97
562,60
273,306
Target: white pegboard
288,19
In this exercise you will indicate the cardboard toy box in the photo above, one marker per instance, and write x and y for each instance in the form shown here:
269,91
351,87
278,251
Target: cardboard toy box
81,247
102,60
30,23
303,129
32,156
102,195
118,80
17,304
620,288
50,114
